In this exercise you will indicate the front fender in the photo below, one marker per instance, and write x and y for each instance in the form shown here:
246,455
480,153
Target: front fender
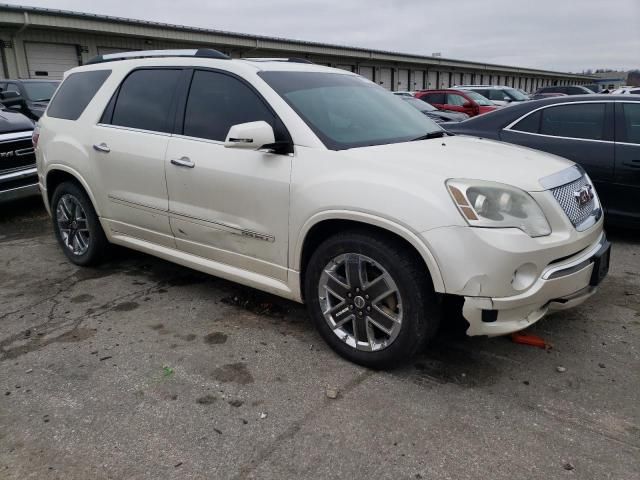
296,253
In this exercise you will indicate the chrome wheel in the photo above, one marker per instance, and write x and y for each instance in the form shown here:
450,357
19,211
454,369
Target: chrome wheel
360,302
73,226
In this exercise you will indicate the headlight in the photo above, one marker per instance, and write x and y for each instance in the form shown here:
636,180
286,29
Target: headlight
496,205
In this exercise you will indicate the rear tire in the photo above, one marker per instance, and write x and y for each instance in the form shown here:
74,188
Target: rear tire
371,298
77,226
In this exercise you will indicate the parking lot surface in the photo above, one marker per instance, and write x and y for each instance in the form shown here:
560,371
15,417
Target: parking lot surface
145,369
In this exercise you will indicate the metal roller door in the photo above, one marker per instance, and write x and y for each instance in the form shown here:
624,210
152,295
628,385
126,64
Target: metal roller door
367,72
50,60
418,80
385,78
403,79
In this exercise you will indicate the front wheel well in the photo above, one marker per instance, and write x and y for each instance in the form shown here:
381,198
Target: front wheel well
327,228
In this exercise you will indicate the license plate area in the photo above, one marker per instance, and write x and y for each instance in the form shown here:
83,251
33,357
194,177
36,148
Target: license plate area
600,264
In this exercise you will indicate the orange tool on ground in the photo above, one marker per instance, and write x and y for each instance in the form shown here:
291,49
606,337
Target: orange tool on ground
529,339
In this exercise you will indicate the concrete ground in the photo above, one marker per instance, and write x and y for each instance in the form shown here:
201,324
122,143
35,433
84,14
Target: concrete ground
141,369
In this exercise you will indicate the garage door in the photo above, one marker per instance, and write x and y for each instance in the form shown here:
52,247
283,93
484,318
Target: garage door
367,72
385,78
418,80
348,68
50,60
403,79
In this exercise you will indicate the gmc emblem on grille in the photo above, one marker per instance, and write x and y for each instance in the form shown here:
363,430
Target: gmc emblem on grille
17,153
584,195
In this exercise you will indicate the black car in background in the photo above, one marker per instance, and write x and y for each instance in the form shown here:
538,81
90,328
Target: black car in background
29,97
18,175
599,132
438,116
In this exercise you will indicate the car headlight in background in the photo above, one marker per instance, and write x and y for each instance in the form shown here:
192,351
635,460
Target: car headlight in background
496,205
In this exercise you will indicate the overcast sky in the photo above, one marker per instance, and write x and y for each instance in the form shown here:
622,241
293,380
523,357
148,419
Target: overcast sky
567,35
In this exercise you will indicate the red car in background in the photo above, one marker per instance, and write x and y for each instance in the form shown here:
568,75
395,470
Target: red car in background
464,101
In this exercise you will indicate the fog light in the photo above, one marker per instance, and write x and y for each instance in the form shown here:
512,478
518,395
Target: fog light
524,276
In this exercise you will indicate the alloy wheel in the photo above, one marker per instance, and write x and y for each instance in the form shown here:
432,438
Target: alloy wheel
360,302
73,225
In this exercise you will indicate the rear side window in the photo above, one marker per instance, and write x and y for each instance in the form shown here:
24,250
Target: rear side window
433,98
632,122
217,102
75,93
530,123
145,100
584,120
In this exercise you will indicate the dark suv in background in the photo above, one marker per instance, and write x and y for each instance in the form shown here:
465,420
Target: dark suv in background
29,97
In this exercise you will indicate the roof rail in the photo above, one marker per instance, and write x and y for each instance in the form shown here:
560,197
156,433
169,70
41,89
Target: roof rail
290,60
201,53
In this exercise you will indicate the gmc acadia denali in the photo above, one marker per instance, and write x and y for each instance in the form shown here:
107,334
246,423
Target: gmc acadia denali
316,185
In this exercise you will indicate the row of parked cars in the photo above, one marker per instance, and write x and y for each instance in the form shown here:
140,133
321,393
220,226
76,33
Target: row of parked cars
319,186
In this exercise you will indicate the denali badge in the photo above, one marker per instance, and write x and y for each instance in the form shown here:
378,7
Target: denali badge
584,195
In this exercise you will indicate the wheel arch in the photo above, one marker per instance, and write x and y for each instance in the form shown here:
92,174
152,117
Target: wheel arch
322,225
57,174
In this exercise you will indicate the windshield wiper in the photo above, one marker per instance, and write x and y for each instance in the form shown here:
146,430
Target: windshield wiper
438,134
42,100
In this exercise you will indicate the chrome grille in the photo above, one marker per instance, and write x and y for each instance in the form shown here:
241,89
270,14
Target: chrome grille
565,195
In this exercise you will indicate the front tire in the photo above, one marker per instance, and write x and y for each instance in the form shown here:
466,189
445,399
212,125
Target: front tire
77,226
371,298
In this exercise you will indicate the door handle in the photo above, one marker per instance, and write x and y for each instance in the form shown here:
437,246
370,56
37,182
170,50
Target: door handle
183,162
103,147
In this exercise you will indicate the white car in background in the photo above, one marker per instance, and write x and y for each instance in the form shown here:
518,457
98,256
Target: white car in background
497,94
317,185
626,91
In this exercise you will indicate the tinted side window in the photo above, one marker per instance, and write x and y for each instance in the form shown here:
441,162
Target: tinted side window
217,102
530,123
75,93
433,98
631,122
496,94
145,98
585,120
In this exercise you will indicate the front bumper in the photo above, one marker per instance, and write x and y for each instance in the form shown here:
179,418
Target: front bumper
19,184
561,285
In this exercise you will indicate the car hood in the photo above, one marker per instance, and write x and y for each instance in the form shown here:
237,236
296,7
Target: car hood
464,157
14,122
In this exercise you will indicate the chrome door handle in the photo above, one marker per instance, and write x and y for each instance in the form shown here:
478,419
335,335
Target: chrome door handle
183,162
103,147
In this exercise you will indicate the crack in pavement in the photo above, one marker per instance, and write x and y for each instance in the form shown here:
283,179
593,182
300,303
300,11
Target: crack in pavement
297,425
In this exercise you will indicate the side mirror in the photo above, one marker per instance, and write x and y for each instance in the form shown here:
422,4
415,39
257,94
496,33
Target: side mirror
250,136
467,105
506,99
11,99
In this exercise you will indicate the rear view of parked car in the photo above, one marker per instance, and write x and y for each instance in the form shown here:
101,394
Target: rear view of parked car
600,132
463,101
319,186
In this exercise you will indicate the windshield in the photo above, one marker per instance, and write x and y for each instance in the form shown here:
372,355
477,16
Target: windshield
479,99
40,91
347,111
516,95
419,104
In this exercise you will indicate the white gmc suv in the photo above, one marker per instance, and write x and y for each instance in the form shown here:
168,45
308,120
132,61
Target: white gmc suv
319,186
